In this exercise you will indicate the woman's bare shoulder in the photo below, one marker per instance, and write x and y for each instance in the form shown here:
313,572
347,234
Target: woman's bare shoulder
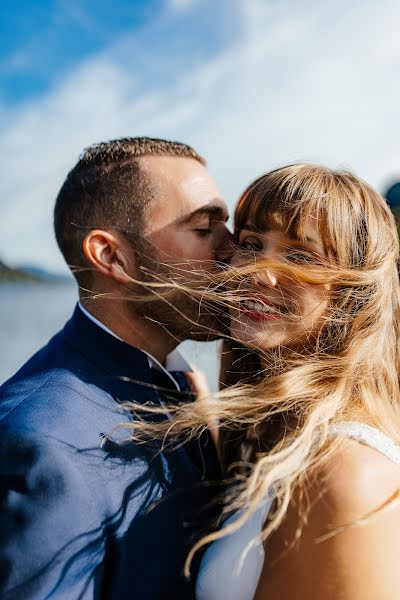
356,480
350,534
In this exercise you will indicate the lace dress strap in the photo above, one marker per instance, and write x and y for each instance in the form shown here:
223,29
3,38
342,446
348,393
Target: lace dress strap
369,436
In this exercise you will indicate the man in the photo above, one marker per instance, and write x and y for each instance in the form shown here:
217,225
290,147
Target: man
82,514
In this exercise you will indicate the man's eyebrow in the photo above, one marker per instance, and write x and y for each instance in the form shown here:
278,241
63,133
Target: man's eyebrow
250,227
211,210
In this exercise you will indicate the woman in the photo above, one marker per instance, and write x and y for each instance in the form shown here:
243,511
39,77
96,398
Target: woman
310,412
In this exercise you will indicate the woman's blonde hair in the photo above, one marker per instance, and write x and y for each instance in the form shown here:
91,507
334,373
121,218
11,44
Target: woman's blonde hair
275,421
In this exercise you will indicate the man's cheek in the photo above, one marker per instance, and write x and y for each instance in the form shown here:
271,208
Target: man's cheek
193,247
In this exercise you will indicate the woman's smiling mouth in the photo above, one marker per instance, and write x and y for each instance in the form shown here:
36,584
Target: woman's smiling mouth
263,311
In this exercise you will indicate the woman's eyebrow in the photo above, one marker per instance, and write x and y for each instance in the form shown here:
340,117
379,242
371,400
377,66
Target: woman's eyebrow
250,227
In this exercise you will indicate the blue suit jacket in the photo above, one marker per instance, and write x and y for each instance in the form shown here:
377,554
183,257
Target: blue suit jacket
81,517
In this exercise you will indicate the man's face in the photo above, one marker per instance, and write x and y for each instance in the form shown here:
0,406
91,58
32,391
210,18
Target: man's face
186,220
185,237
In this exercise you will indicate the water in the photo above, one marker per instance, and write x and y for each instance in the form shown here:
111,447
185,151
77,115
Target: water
30,314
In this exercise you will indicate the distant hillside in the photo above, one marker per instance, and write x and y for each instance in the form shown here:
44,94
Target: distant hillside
396,211
10,274
43,275
33,274
392,195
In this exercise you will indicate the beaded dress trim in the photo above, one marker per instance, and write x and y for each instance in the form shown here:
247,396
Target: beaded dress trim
369,436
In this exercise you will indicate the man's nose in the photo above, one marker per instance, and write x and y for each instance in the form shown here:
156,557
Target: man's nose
225,249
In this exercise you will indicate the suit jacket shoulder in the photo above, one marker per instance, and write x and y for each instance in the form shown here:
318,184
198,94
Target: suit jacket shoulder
94,516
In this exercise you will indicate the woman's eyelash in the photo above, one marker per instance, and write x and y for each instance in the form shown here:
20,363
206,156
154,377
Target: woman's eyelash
203,231
249,245
294,255
303,256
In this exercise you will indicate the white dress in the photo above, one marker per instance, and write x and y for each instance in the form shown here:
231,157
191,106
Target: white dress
222,575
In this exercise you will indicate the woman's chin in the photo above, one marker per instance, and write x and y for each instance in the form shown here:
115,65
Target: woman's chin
256,340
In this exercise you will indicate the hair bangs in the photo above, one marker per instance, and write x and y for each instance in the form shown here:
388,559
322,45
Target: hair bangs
280,201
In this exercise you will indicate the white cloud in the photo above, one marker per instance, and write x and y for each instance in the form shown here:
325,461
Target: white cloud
311,82
181,4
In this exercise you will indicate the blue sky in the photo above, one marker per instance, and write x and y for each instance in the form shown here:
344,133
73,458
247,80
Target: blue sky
252,84
41,40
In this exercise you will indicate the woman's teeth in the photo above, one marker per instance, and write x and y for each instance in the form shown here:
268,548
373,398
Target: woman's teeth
258,307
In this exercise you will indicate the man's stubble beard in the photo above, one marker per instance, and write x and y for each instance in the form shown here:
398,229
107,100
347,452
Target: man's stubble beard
183,315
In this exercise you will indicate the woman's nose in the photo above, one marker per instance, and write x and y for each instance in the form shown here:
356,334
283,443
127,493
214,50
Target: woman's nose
267,278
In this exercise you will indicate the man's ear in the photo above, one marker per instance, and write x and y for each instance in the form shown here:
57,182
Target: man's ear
106,251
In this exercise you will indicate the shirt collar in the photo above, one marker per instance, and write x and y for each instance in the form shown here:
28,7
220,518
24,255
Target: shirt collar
173,362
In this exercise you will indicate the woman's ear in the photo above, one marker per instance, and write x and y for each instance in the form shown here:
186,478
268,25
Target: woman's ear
107,253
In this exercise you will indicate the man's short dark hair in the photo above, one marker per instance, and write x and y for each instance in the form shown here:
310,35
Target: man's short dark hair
107,188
